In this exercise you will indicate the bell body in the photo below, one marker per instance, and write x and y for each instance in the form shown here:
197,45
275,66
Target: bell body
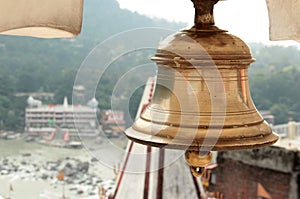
202,97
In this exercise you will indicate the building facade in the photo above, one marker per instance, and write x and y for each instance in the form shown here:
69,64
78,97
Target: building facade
45,118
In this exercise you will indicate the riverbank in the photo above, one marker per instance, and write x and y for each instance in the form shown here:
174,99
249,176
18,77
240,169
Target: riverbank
29,170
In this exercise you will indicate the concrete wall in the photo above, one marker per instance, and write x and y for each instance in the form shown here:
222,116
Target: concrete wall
275,158
275,168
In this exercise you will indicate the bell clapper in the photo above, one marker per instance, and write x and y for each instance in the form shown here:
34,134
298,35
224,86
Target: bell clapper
197,160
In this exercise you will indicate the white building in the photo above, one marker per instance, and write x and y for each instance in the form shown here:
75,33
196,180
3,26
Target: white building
41,118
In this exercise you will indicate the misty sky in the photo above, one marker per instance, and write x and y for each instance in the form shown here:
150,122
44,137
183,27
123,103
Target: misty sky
247,19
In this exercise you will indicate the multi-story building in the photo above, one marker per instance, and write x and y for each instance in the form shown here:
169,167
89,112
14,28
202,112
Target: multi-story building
45,118
113,119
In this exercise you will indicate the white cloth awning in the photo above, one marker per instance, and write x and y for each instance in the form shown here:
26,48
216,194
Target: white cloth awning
63,18
284,19
41,18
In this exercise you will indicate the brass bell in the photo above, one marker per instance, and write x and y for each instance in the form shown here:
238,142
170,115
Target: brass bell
202,99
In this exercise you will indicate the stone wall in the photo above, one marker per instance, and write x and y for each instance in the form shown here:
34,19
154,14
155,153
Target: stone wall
239,172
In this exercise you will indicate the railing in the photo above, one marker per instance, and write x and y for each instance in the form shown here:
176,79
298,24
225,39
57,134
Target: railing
282,129
291,129
298,128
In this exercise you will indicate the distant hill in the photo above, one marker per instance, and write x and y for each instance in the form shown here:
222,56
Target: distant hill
275,81
103,18
31,64
272,59
41,63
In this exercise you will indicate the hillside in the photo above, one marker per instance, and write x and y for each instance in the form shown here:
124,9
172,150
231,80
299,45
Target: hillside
31,64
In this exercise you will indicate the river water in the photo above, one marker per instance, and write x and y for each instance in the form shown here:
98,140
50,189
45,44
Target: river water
31,160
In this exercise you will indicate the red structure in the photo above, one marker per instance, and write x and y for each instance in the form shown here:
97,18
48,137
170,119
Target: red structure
113,120
267,173
149,172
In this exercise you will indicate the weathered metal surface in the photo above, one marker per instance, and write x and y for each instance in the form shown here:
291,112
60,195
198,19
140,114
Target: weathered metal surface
202,99
202,96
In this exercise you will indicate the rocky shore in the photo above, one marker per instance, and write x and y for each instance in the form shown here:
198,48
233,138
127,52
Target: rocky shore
83,174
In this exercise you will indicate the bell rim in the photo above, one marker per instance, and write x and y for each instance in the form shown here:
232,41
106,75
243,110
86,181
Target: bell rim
242,143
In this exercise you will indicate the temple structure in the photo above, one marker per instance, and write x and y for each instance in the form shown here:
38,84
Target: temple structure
150,172
41,119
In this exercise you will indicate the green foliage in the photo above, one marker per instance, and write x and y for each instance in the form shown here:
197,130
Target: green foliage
50,65
280,111
275,81
30,64
135,99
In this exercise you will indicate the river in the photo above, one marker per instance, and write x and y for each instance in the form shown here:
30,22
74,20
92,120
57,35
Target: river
27,172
